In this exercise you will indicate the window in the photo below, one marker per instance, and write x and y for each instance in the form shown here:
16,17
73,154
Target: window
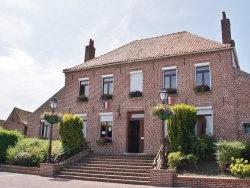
204,125
202,74
108,85
106,120
84,87
44,129
246,128
136,81
170,79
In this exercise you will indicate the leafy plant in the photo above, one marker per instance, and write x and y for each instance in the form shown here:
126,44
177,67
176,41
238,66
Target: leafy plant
106,96
204,147
70,130
171,91
82,98
240,167
162,111
8,139
201,88
181,128
51,118
191,158
174,159
135,94
226,150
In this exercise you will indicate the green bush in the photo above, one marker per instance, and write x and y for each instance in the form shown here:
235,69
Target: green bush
246,152
28,152
240,168
181,127
174,159
226,150
32,151
204,147
7,139
71,130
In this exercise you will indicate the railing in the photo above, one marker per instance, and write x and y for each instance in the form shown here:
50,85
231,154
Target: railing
68,153
157,159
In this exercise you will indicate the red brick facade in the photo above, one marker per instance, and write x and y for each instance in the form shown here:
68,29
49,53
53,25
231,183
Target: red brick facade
227,102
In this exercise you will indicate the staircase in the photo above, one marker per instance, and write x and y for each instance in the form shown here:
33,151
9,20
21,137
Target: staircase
126,169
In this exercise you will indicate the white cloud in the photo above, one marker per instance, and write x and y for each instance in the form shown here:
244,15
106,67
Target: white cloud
27,5
26,84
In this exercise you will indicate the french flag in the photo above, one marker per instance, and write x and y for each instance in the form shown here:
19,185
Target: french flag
106,104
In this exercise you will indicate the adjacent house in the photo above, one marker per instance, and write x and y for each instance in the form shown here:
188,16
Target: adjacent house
1,122
17,120
114,92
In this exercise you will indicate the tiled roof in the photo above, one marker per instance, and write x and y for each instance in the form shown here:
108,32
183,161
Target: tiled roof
157,47
23,115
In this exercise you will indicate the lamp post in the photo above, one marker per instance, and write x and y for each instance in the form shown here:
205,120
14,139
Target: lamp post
163,96
53,104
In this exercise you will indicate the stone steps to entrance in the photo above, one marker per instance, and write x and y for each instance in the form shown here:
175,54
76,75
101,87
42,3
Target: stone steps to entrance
116,169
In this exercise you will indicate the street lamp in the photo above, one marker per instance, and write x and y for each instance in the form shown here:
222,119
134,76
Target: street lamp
163,96
53,104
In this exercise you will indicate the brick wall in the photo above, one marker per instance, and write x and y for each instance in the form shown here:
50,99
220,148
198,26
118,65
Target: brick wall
162,177
14,123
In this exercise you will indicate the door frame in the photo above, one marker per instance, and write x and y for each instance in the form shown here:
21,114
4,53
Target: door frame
141,119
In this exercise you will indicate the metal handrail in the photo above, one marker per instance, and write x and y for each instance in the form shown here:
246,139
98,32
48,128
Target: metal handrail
157,159
72,151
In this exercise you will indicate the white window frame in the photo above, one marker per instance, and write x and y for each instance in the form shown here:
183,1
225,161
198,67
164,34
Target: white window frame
169,68
206,110
107,76
79,83
139,72
203,65
108,116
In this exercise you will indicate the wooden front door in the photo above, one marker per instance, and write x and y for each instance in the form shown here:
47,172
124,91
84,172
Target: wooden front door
135,138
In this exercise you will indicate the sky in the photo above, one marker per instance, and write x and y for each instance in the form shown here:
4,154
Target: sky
40,38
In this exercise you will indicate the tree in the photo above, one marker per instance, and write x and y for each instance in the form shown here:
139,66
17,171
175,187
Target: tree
181,127
71,130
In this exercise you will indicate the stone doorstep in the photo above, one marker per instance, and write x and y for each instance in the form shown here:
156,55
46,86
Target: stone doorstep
112,166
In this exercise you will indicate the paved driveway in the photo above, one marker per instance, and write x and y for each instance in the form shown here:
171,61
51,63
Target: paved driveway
15,180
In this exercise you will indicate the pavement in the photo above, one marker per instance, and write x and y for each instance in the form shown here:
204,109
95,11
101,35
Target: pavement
16,180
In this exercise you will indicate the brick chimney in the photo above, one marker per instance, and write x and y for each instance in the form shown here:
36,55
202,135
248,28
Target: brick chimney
226,30
89,51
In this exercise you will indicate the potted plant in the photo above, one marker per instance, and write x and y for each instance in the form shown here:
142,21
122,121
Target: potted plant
135,94
51,118
104,140
106,96
171,90
82,98
162,111
201,88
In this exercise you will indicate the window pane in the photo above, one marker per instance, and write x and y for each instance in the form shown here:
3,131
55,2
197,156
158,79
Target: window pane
173,82
202,69
105,88
207,78
136,82
198,79
167,82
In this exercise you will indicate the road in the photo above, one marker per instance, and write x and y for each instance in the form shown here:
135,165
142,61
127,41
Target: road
15,180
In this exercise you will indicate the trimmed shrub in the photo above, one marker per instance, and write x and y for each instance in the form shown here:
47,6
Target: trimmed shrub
226,150
71,130
181,127
246,153
174,159
7,139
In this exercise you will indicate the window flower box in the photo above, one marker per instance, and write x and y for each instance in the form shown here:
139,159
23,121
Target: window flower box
171,91
106,96
201,88
162,111
82,98
133,94
104,140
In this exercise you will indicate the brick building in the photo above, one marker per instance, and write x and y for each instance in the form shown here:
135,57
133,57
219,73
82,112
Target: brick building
114,92
17,120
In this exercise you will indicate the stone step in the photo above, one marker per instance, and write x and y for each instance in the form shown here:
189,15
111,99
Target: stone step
129,172
118,160
110,176
107,162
